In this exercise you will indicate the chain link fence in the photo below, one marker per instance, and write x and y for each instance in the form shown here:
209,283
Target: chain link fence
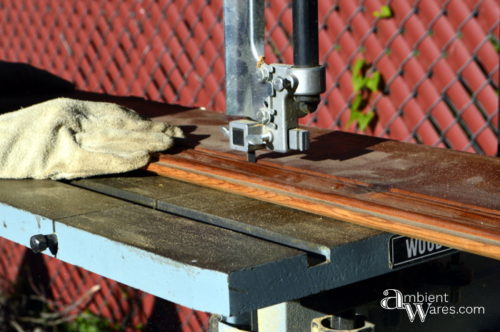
438,60
414,70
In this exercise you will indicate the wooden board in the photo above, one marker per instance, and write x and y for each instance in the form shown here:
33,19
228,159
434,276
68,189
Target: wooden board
438,195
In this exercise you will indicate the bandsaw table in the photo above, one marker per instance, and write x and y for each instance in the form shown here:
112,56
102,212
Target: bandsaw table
219,252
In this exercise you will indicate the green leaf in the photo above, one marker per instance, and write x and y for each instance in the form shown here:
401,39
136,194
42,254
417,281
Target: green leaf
364,120
358,81
494,42
92,328
356,103
353,117
384,12
373,81
358,65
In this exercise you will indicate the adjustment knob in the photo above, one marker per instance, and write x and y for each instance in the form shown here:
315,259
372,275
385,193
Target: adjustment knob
40,242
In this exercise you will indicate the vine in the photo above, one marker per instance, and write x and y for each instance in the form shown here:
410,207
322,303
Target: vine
364,82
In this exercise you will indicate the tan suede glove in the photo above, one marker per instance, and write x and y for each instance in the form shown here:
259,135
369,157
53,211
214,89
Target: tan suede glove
66,139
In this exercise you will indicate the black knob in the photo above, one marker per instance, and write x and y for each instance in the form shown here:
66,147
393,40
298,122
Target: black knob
40,242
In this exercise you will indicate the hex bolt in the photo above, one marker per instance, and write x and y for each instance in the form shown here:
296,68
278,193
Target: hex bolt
40,242
280,83
263,116
263,74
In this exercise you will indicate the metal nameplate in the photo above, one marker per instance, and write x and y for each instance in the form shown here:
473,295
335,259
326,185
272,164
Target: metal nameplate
405,250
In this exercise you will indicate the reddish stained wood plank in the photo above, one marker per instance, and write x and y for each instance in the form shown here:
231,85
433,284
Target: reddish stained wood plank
484,240
432,194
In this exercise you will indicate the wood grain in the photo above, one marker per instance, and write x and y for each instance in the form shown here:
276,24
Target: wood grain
459,225
438,195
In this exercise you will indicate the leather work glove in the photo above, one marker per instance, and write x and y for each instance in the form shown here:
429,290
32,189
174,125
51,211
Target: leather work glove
66,139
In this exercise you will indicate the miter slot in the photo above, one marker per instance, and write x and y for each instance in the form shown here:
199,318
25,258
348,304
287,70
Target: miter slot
319,253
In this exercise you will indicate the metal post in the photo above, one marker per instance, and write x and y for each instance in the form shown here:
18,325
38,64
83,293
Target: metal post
244,48
305,45
305,33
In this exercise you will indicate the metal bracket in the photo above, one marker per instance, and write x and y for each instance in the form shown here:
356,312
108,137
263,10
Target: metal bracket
275,124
